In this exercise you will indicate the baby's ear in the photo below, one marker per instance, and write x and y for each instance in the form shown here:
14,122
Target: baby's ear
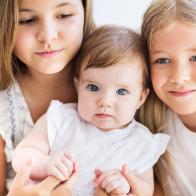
143,97
76,83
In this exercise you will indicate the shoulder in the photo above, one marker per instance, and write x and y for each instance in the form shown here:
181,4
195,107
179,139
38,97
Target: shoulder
61,108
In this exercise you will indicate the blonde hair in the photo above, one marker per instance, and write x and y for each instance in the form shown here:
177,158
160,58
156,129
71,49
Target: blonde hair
158,16
9,63
109,45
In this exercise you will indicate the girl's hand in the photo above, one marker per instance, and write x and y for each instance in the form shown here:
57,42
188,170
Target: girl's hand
23,186
138,186
113,182
60,165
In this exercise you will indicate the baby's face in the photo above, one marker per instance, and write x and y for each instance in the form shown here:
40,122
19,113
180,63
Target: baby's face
109,97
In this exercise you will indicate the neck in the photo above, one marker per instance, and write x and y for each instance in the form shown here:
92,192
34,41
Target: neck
39,89
189,121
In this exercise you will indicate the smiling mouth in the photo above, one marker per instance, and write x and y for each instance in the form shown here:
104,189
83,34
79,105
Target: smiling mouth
47,54
181,93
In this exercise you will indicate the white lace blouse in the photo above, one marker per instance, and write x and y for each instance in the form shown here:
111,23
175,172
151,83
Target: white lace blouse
15,122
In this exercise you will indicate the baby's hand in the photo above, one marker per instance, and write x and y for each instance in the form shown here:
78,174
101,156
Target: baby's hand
113,182
60,165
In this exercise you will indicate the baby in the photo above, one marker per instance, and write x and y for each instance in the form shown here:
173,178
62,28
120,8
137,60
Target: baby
100,131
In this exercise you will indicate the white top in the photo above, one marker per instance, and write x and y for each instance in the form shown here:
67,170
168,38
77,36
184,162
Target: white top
15,122
135,145
180,173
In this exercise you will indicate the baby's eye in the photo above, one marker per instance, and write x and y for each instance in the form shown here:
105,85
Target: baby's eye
163,61
92,87
193,58
27,21
121,91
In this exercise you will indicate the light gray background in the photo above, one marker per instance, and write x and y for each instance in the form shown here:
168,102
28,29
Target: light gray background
123,12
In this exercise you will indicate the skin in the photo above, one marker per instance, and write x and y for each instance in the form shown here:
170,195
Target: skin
107,102
49,186
51,35
2,165
104,95
138,185
173,70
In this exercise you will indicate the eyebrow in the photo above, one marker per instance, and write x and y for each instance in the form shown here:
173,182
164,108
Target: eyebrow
57,6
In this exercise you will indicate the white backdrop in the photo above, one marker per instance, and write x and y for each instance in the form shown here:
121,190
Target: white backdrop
125,12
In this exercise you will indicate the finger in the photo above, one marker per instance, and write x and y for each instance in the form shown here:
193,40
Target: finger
105,175
122,190
131,178
110,180
100,192
66,166
115,187
23,175
48,184
69,156
70,183
64,169
56,172
98,173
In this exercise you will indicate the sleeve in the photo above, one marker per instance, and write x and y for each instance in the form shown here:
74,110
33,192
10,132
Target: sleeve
57,116
6,123
143,149
154,146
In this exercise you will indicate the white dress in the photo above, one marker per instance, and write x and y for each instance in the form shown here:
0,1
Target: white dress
135,145
180,171
15,122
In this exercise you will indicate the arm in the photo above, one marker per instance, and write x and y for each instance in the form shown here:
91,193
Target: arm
33,147
49,186
2,167
158,191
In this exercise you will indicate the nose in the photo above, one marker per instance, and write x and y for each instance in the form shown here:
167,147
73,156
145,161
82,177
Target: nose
180,74
47,33
105,101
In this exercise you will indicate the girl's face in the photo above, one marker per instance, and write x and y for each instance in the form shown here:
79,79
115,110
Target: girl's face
49,33
173,67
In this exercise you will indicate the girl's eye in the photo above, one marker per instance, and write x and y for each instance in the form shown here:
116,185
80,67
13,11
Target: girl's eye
27,21
92,87
63,16
121,91
163,61
193,58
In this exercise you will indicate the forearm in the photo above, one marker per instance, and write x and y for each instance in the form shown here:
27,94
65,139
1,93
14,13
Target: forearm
23,155
2,167
158,191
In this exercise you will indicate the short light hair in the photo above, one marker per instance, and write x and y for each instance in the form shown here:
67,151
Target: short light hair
109,45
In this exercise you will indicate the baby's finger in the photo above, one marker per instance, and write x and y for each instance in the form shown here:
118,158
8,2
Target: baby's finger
68,164
69,156
111,187
104,175
54,171
122,190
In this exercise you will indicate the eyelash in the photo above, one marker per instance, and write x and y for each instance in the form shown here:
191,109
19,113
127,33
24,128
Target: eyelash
163,61
34,19
27,21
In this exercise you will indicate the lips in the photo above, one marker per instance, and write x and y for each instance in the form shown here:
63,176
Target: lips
181,93
103,116
47,53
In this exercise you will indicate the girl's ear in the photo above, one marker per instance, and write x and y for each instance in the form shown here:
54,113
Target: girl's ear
76,83
143,97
